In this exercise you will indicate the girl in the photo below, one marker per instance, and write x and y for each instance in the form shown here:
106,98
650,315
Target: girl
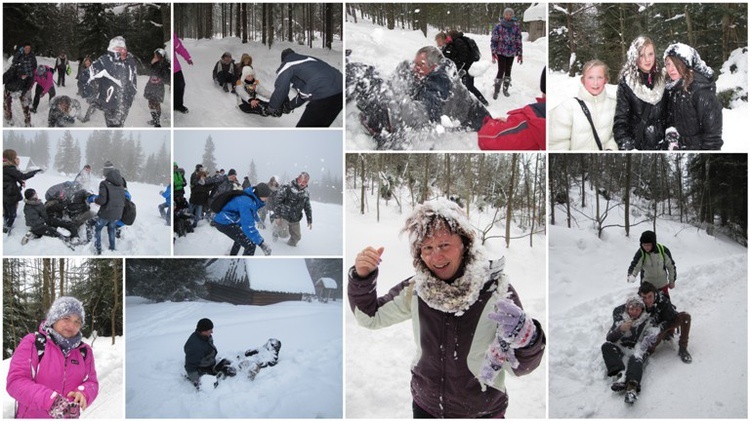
248,89
154,92
506,44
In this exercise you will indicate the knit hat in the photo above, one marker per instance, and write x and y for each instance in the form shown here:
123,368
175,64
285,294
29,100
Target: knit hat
29,193
226,54
690,57
648,237
262,190
507,9
232,171
543,82
116,42
204,325
285,53
198,166
635,301
108,166
247,71
64,306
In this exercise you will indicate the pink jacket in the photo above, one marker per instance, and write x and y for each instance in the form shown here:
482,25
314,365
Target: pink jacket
55,375
47,81
179,49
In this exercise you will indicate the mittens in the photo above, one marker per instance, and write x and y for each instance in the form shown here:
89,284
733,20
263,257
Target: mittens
513,326
63,408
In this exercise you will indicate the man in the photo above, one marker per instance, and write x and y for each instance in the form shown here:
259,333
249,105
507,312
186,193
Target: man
200,355
455,47
668,319
111,201
116,73
20,79
631,330
223,72
316,82
40,223
655,264
290,201
178,180
237,219
196,176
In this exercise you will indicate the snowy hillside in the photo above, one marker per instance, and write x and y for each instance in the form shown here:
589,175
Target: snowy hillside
378,361
148,236
385,49
306,382
109,371
588,279
210,106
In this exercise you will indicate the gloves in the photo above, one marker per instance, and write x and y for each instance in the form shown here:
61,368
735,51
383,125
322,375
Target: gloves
265,248
91,198
513,326
672,137
309,226
190,62
631,279
63,408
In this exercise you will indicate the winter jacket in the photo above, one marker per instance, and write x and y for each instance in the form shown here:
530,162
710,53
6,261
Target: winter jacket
459,51
86,90
451,346
242,210
641,111
200,353
62,191
111,199
35,214
696,114
118,83
249,91
27,64
524,129
179,49
663,311
59,118
47,81
179,180
222,67
628,338
167,195
657,267
159,75
313,79
220,184
35,385
506,39
199,193
290,201
12,180
571,130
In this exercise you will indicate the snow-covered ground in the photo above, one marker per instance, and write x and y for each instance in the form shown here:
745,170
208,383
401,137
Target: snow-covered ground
378,361
306,382
109,360
588,279
385,49
210,106
148,236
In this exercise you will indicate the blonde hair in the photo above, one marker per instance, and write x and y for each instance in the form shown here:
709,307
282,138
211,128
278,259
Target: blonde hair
595,63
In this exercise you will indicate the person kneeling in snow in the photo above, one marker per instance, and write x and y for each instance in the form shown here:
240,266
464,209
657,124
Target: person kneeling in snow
238,217
631,330
200,355
63,111
40,223
247,89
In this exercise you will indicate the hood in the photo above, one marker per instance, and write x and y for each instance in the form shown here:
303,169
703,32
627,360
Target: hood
246,72
114,177
116,42
690,57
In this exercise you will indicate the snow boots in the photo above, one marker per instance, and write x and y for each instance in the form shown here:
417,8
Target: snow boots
155,117
498,85
183,109
631,394
506,85
618,385
685,355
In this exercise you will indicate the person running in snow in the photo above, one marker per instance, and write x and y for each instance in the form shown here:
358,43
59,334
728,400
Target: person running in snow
584,123
238,217
289,203
249,93
667,318
45,83
224,72
111,201
506,44
13,181
118,84
179,78
455,47
654,262
316,82
154,91
61,66
20,79
200,355
632,333
41,224
52,373
63,111
694,113
462,305
640,112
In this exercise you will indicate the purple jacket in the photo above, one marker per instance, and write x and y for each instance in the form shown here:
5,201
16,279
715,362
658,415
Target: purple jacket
179,49
506,39
45,82
56,374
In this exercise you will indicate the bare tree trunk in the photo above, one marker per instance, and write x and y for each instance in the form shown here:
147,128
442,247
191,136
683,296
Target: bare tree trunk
364,185
290,15
448,176
689,24
626,196
329,25
47,298
116,300
571,38
62,277
264,23
243,14
509,214
270,26
533,200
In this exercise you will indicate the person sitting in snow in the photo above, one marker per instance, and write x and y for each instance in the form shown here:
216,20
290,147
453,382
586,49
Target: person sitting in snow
72,205
63,111
632,333
668,319
159,72
238,217
224,72
248,89
45,83
655,264
200,355
41,224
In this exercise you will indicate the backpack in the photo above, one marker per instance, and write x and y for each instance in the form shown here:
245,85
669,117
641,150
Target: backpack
475,55
128,212
223,198
40,341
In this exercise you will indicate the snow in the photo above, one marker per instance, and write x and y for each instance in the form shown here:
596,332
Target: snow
328,283
110,373
289,275
385,49
306,382
588,279
378,362
210,106
733,75
537,11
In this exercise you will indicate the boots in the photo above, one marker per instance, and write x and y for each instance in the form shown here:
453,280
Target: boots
631,394
498,84
89,111
155,117
26,116
618,385
506,85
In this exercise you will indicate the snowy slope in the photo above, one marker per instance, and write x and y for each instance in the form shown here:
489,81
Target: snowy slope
378,361
306,383
109,371
588,279
210,106
148,236
385,49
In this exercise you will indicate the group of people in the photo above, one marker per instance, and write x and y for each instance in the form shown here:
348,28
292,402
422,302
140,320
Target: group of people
669,107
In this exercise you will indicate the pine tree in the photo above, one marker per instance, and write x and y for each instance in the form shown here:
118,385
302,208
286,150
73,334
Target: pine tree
209,160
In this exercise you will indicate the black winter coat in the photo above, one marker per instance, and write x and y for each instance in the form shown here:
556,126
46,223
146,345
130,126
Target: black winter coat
159,74
118,84
663,311
200,353
459,52
696,114
639,116
12,179
291,200
111,196
35,214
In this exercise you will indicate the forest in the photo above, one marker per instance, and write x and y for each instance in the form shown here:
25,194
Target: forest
708,191
475,18
300,23
30,286
124,149
82,29
580,32
509,186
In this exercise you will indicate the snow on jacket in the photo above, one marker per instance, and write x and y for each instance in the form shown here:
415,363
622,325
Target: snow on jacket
631,336
59,118
291,200
27,63
445,372
200,353
181,50
35,214
506,39
242,210
571,130
118,83
459,51
111,199
220,183
56,374
47,81
523,129
654,268
159,75
696,114
663,311
12,179
312,78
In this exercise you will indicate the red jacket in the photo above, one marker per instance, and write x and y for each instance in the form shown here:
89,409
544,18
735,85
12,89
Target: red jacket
525,129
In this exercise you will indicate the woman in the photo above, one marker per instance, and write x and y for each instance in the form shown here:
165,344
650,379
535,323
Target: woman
640,112
13,181
245,61
52,372
506,44
249,93
694,114
462,306
179,78
570,126
154,91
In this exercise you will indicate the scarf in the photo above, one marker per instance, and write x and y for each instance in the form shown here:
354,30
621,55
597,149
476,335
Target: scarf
65,344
